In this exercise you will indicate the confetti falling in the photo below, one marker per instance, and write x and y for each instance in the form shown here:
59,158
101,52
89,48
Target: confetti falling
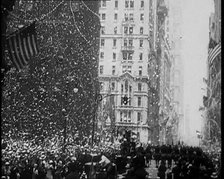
68,40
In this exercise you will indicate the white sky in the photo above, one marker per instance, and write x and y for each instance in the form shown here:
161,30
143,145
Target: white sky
195,38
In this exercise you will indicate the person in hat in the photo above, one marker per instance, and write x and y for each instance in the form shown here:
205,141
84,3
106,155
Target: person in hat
148,155
162,170
107,165
73,172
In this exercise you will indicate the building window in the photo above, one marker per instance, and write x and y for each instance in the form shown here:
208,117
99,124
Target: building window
114,56
102,30
130,30
138,117
126,3
139,101
125,56
102,42
140,71
126,86
125,30
130,89
139,87
115,16
132,4
142,17
101,86
125,116
121,113
101,69
141,30
130,42
126,69
116,4
114,42
140,56
129,116
125,42
115,30
142,4
141,43
129,69
104,3
122,88
112,86
101,54
126,17
103,16
123,71
113,70
131,16
130,55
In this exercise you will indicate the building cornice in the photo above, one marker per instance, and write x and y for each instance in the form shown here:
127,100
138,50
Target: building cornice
122,36
125,76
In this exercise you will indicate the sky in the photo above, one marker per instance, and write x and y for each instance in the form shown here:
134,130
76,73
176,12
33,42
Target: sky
195,39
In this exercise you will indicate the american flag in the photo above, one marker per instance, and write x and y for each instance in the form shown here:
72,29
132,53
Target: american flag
22,45
213,53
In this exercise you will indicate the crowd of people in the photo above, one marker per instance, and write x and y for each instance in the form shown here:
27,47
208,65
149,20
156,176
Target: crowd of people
175,162
21,160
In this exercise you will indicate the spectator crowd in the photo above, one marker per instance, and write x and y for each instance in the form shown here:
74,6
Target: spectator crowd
22,160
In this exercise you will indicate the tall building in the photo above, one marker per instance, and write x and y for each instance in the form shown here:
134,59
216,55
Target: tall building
174,36
123,64
212,101
154,74
165,59
136,61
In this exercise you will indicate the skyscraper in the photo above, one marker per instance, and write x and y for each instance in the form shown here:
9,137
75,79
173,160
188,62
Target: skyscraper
124,54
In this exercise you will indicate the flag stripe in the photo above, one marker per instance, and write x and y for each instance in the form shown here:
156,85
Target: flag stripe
20,56
12,53
22,46
30,46
213,53
16,50
35,44
23,59
25,52
25,45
